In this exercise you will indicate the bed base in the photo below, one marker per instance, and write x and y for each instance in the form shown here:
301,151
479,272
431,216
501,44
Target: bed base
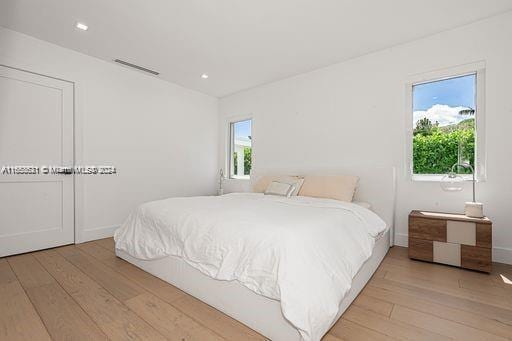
257,312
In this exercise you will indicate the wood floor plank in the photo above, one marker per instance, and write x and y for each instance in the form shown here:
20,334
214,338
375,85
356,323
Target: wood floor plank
6,274
468,318
99,252
433,272
329,337
119,286
228,328
168,320
89,293
215,320
392,328
497,290
443,274
398,252
18,317
347,330
116,320
373,304
62,316
487,283
149,282
445,327
500,268
456,290
432,276
493,312
107,243
29,272
379,273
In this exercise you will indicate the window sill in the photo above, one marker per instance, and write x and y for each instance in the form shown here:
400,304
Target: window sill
240,177
438,177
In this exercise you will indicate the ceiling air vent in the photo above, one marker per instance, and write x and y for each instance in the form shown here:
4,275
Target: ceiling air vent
141,68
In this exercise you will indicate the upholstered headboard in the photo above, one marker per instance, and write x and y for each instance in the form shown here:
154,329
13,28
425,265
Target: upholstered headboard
377,186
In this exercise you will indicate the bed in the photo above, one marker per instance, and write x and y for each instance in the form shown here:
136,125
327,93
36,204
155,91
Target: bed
268,292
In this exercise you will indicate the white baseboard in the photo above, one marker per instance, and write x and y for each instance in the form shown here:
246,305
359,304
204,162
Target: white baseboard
502,255
401,239
96,233
499,254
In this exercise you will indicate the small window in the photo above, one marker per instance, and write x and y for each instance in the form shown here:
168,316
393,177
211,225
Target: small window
444,124
241,149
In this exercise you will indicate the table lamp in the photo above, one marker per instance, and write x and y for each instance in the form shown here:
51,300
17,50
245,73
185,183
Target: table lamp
452,182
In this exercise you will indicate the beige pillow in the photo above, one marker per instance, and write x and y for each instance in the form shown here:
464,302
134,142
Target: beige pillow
263,182
339,187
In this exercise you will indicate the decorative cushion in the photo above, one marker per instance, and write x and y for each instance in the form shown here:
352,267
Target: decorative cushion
280,188
339,187
263,182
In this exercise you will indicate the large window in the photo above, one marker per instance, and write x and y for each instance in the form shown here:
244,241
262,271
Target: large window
444,124
240,149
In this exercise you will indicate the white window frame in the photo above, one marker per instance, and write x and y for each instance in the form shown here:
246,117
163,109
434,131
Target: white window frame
480,150
230,147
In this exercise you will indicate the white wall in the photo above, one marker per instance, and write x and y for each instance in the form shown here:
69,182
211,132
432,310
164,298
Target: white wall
161,137
354,112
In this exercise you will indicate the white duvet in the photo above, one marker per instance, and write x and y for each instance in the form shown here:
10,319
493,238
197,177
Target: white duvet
302,251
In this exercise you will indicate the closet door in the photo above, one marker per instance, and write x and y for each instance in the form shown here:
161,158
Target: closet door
36,129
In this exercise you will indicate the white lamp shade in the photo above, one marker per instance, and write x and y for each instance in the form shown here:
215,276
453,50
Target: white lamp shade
452,182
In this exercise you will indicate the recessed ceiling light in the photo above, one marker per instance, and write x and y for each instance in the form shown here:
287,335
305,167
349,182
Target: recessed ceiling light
204,76
81,26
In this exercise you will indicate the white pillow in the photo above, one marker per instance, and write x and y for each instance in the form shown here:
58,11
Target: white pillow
280,188
297,184
263,182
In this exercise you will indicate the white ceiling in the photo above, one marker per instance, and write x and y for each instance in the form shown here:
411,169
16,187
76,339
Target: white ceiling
238,43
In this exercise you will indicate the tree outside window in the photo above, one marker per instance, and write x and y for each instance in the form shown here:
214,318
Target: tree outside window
444,124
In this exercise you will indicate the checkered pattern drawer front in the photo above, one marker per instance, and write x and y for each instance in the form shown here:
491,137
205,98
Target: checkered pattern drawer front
459,243
427,229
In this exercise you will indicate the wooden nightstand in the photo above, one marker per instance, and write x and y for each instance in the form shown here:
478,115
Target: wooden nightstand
452,239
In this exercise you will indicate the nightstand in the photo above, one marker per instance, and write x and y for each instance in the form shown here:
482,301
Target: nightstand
452,239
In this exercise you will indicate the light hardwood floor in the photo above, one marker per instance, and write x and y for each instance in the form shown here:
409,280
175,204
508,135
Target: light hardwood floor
84,292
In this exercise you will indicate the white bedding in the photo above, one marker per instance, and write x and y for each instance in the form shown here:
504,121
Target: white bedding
302,251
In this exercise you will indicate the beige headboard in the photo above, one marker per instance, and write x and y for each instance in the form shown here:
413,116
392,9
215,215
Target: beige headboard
377,186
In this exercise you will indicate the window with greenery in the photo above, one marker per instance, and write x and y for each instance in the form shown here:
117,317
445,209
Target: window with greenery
241,149
444,128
